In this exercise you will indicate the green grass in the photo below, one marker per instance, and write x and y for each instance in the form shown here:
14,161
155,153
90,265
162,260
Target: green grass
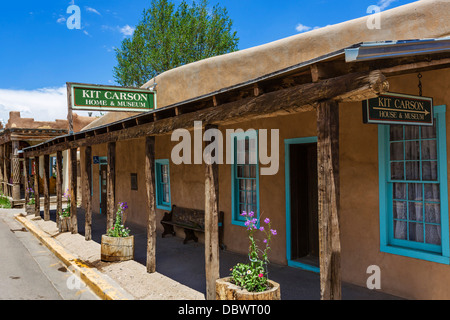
4,202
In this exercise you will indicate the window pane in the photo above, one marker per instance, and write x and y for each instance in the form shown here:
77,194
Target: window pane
396,133
412,132
399,209
433,234
432,192
397,171
413,170
416,232
432,213
416,211
399,191
412,150
415,191
429,170
400,230
429,132
429,150
397,151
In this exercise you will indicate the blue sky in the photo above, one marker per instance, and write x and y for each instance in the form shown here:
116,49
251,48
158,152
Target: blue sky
39,53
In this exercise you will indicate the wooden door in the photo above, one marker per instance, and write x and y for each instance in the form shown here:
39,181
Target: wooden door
103,193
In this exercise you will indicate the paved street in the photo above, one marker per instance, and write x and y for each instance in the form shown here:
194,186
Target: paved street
29,271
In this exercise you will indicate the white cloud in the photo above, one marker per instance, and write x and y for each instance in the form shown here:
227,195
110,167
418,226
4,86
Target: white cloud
302,28
61,19
89,9
126,30
44,104
383,4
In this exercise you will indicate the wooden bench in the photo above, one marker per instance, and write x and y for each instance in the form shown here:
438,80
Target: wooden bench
190,220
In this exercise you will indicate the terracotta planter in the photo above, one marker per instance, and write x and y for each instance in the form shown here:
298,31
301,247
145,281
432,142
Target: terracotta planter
64,224
117,249
225,290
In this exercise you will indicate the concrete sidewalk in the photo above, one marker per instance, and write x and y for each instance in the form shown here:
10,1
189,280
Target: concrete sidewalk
180,268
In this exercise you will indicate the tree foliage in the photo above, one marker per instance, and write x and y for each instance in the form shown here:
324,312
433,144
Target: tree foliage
166,38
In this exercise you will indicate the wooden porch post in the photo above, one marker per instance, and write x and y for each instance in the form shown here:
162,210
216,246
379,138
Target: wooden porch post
87,191
211,222
5,168
26,168
2,164
15,170
151,202
37,200
46,187
328,185
73,189
59,193
110,185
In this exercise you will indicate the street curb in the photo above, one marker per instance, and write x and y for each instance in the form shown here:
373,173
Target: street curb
105,287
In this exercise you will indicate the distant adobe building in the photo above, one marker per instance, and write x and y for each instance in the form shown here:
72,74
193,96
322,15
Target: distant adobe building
20,133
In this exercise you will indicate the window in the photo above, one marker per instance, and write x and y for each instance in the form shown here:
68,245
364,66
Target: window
245,175
413,190
134,183
162,178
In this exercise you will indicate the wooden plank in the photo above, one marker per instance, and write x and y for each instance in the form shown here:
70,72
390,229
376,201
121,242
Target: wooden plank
151,202
346,88
211,222
110,185
46,179
59,191
329,192
37,205
87,192
73,189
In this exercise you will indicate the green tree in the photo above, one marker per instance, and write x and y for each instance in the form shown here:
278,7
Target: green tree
166,38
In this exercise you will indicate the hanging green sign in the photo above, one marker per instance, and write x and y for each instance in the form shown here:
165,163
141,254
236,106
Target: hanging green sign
395,108
110,98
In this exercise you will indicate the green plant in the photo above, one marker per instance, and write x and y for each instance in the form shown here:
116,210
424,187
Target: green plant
66,212
118,229
32,197
253,276
4,202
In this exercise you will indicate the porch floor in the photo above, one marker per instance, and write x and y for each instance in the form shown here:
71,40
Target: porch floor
186,264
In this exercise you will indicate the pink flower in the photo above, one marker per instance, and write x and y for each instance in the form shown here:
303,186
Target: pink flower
260,275
267,220
274,232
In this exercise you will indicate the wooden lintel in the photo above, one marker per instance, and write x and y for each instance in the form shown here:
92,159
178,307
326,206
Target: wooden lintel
415,67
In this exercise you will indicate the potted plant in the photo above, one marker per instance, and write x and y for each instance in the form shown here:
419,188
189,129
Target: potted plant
117,244
64,216
29,206
249,281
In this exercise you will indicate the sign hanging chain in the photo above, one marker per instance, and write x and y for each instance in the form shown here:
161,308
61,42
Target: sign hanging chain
420,84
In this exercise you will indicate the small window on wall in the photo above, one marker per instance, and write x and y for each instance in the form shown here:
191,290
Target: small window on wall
244,176
162,182
134,185
413,190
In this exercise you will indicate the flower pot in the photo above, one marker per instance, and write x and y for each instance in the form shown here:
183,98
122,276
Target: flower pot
64,224
29,208
117,248
225,290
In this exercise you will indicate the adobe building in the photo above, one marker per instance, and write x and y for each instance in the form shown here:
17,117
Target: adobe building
347,194
20,133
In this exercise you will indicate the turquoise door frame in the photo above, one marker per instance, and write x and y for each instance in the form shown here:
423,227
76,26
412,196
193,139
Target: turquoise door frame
287,170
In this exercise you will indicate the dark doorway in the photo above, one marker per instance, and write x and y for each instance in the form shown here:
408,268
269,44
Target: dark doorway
304,204
103,175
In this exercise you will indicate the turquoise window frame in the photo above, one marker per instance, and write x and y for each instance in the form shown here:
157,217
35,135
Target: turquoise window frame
395,246
160,203
287,170
236,218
